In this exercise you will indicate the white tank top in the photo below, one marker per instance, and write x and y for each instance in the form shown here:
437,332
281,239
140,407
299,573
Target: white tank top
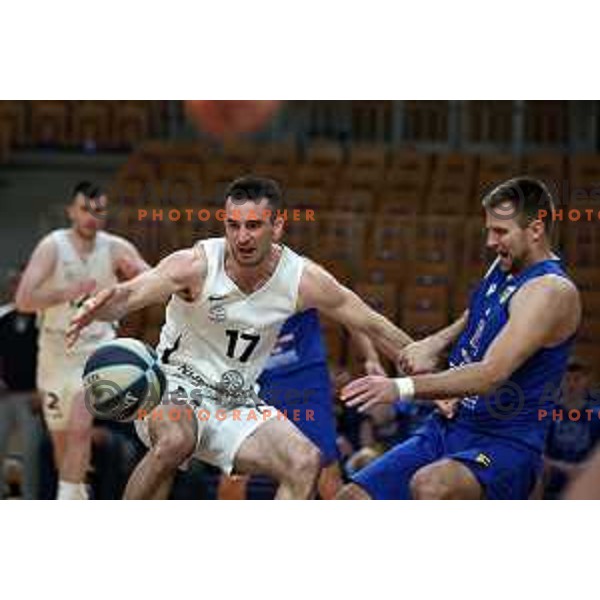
224,338
70,268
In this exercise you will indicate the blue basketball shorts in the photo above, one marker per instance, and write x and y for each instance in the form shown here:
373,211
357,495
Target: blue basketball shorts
305,397
504,469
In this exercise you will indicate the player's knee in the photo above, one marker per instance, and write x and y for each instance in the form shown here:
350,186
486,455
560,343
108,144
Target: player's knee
430,483
306,463
173,447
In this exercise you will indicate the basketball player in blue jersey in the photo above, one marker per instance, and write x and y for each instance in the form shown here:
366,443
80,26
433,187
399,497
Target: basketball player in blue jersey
508,356
296,381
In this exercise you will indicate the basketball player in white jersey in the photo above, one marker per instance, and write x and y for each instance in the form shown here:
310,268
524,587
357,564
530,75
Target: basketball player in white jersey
66,267
227,299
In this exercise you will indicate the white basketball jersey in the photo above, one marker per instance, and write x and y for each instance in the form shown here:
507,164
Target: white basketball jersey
70,268
226,336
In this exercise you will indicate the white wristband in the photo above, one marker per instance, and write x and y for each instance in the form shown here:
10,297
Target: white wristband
406,388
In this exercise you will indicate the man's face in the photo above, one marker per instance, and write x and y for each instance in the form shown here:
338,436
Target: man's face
577,382
86,215
250,231
511,243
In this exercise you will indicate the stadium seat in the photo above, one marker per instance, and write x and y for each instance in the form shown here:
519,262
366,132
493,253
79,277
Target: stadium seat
282,153
405,183
488,122
358,201
426,121
307,197
584,183
49,123
550,168
131,125
361,178
381,297
391,239
279,172
315,176
493,170
13,120
367,155
422,295
91,124
383,271
582,247
324,153
452,185
341,236
546,122
241,152
422,322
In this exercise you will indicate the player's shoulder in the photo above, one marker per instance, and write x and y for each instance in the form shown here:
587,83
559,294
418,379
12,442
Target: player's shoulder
50,241
314,275
187,261
551,293
554,284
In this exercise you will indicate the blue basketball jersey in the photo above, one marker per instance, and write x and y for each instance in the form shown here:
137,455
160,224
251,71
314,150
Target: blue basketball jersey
299,346
296,380
513,412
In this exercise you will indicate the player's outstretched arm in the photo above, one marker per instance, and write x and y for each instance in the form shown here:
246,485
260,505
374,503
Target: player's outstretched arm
34,293
179,273
424,355
543,313
320,290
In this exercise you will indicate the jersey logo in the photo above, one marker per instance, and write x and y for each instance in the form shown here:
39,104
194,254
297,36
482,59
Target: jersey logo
217,313
483,459
507,293
491,290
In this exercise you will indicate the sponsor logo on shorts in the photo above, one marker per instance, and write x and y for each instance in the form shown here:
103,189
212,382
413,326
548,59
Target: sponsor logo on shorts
483,459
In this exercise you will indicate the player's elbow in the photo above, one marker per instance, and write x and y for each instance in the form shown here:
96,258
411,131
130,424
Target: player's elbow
23,302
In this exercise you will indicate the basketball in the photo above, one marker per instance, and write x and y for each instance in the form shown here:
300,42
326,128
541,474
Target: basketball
228,118
121,378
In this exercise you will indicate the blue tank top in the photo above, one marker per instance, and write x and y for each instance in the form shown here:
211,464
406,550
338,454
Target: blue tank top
512,413
300,345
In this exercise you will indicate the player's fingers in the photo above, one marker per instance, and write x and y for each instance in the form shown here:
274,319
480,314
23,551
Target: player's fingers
71,336
360,398
351,389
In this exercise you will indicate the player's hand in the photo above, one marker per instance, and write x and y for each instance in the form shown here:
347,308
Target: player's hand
91,310
369,391
418,357
447,408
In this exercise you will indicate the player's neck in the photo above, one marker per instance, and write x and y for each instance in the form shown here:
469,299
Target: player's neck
251,278
82,245
537,255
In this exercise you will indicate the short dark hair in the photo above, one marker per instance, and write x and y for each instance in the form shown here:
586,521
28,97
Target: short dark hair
529,196
88,189
251,187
